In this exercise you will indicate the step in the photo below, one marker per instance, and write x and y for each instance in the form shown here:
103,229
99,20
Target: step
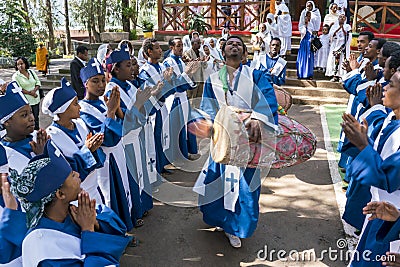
50,84
292,73
313,83
308,100
64,71
316,92
58,76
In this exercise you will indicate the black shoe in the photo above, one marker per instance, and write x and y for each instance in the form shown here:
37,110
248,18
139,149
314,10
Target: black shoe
167,172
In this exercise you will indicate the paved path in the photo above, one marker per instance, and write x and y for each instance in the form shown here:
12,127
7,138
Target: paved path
298,211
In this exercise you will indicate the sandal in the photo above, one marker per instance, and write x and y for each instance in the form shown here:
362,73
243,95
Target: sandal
139,223
146,213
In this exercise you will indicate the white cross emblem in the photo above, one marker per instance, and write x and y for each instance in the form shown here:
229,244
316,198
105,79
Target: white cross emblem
67,84
16,89
127,49
97,65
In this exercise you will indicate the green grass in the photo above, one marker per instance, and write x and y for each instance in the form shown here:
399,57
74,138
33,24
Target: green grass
334,118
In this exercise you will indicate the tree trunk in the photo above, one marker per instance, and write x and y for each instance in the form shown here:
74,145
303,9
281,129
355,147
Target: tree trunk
125,19
26,16
49,23
102,15
69,43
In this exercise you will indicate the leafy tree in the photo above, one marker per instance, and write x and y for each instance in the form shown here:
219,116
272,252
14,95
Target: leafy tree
14,35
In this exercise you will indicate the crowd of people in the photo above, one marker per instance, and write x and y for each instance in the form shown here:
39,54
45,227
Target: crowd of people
88,178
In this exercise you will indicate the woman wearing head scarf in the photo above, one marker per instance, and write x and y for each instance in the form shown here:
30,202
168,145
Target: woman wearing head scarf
71,135
332,16
340,47
305,58
284,22
89,237
315,21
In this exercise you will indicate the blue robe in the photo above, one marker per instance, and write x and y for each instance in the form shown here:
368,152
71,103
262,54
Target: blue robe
112,131
12,232
270,62
79,161
101,248
134,119
182,142
369,169
243,221
305,58
168,89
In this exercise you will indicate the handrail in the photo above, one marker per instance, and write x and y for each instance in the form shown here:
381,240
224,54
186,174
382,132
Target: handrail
384,7
175,16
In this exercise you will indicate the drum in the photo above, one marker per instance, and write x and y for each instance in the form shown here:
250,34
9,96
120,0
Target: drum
294,144
291,144
230,142
283,97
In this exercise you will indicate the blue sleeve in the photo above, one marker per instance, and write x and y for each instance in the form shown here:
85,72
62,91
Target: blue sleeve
281,78
84,161
109,221
388,232
209,103
369,168
351,84
12,233
133,120
112,130
265,102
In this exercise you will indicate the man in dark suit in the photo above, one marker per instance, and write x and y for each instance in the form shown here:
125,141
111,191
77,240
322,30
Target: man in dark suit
75,67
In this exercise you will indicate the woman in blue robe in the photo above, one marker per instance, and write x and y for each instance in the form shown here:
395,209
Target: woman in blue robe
100,117
71,135
305,57
89,237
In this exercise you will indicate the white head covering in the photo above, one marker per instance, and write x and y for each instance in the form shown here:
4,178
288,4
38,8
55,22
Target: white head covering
101,52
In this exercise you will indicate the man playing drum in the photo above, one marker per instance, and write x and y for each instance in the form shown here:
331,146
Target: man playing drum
229,195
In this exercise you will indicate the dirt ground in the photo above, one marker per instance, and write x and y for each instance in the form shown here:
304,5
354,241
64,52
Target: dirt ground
298,213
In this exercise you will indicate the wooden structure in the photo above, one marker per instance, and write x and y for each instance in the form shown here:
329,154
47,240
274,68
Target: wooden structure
387,14
243,15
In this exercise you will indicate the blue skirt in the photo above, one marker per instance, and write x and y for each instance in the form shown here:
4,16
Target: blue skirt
305,58
241,223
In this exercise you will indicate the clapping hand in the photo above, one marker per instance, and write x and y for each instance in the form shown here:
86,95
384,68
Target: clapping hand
353,62
254,130
85,214
142,96
167,74
93,142
355,131
41,139
370,72
9,200
374,94
192,67
113,103
381,210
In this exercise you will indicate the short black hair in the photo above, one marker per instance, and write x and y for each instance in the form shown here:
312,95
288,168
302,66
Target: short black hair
388,48
230,37
117,65
81,49
380,41
369,34
171,42
276,39
394,61
25,60
148,44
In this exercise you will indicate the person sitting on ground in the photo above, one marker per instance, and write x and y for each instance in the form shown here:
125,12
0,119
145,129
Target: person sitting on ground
89,237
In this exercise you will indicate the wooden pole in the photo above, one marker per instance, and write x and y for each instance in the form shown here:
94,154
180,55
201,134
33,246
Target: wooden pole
354,27
160,15
214,14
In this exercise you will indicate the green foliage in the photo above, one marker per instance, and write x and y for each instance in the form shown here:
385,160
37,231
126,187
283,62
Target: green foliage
147,25
133,35
198,23
14,36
